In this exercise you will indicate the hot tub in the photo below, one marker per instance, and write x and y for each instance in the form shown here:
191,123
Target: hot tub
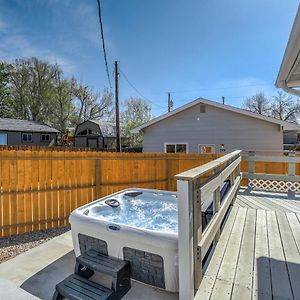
138,225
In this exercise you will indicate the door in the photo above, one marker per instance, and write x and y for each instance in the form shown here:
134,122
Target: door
206,149
92,142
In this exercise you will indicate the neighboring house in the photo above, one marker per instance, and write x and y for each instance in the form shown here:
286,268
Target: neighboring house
15,132
205,126
96,134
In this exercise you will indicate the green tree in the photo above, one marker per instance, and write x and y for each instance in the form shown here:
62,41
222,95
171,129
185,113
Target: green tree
31,85
5,101
60,109
135,112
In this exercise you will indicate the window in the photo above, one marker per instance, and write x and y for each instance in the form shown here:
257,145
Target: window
45,137
27,137
3,138
202,108
86,132
176,148
205,149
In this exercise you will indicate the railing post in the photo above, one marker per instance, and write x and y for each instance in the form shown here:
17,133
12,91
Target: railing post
216,205
251,165
197,235
291,172
185,239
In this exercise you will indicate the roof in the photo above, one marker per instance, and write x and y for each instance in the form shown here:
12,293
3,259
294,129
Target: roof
108,129
289,73
7,124
287,126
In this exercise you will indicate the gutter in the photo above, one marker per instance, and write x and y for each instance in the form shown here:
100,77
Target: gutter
289,90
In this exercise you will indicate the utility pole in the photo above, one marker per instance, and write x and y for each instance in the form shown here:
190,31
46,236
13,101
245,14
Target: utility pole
118,144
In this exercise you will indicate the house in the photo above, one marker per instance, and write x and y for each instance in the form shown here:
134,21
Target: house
15,132
288,77
96,134
289,74
205,126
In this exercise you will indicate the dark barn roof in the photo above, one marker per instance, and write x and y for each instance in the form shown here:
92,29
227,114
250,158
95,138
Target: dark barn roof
108,129
24,125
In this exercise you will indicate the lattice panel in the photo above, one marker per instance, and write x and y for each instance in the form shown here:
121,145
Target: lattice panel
274,185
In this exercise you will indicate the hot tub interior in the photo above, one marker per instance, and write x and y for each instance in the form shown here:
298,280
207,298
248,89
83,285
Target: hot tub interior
144,210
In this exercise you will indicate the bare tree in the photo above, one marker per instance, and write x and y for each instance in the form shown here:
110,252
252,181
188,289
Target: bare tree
258,103
92,105
285,107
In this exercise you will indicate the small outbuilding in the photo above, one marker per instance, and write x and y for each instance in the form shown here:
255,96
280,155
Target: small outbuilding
96,134
205,126
14,132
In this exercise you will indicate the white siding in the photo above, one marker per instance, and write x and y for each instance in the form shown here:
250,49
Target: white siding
217,127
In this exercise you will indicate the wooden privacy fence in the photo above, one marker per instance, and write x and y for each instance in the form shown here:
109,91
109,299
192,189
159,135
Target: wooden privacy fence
193,195
39,188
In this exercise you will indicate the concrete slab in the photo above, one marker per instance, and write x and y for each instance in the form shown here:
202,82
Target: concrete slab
10,291
27,264
38,271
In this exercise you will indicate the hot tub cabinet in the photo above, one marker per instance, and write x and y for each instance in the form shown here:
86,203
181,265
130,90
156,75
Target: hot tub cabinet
137,225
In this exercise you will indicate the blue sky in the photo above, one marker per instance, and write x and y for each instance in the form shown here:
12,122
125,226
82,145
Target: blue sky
192,48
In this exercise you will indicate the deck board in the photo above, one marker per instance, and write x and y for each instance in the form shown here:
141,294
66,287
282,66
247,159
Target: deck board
257,257
268,201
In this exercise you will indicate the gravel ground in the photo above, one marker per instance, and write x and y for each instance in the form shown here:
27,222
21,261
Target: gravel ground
16,244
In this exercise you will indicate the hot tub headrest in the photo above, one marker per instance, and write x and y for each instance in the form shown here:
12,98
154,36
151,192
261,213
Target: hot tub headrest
112,202
133,194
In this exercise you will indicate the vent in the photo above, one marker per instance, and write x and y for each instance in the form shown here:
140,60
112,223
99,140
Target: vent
202,108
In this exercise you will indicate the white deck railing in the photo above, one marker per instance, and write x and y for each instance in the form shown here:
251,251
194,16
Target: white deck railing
195,188
289,182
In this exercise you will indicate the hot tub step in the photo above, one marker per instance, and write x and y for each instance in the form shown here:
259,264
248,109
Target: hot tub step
76,287
92,260
102,263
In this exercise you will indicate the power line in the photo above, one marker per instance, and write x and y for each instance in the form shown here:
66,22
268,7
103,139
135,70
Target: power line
212,89
103,42
145,98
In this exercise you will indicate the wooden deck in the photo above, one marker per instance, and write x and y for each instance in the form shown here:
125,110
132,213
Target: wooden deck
258,254
268,201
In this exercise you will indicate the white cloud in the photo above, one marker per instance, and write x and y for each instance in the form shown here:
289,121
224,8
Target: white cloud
3,25
17,46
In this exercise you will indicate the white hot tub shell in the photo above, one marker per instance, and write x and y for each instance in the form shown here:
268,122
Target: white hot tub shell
151,248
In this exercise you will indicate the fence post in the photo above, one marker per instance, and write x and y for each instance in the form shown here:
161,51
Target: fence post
185,239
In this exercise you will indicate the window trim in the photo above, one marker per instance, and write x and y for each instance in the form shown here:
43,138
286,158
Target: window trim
212,145
27,133
176,143
45,141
